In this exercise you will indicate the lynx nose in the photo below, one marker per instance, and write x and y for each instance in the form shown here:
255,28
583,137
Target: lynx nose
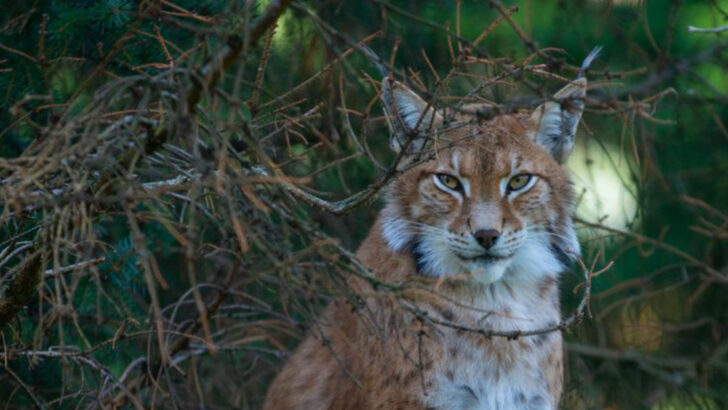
486,237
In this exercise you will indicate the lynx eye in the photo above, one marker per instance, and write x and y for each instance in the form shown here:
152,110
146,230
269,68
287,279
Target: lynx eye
449,181
518,182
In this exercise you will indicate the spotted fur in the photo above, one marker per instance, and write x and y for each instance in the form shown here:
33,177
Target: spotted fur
398,351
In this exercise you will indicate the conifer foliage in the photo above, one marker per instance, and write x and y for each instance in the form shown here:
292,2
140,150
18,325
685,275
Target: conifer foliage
183,184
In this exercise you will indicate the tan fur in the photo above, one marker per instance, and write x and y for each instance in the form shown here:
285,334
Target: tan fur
390,354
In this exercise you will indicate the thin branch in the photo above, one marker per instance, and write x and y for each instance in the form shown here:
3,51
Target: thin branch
693,29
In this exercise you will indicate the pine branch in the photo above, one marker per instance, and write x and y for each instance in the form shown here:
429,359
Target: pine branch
23,286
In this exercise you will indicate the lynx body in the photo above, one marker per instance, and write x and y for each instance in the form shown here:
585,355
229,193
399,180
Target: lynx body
476,229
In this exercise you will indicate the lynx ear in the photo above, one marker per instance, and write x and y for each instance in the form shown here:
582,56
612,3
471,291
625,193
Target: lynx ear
410,119
555,121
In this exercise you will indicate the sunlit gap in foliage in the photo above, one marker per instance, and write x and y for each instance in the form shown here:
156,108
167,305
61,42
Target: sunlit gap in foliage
284,39
604,190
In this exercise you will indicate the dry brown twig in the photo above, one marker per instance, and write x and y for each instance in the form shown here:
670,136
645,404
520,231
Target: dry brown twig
249,178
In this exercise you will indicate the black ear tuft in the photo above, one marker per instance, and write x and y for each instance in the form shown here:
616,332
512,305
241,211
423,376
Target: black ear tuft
555,121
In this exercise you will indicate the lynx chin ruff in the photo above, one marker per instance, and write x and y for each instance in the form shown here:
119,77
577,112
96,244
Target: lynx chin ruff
479,225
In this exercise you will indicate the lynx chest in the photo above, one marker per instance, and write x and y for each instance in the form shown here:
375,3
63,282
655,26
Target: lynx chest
471,371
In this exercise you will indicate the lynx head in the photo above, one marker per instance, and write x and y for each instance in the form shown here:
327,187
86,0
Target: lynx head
481,196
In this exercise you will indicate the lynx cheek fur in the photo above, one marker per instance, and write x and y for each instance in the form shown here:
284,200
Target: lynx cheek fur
484,221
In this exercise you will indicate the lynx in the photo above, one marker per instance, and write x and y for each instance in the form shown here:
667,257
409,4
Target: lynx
479,225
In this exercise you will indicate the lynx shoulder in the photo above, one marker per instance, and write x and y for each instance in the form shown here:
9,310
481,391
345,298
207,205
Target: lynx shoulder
479,224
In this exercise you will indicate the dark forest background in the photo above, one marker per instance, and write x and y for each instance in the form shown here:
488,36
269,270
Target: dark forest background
183,184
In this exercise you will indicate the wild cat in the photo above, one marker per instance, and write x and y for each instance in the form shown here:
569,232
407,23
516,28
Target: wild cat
481,222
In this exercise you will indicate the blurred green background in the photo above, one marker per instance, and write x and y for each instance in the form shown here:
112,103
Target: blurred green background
649,169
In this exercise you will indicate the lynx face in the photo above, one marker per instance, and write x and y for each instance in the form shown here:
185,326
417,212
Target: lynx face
490,197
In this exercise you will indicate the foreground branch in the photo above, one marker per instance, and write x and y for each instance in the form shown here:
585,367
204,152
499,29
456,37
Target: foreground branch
23,286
